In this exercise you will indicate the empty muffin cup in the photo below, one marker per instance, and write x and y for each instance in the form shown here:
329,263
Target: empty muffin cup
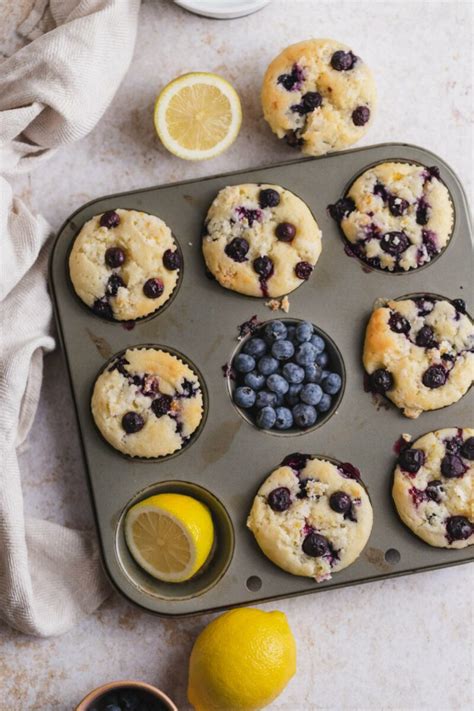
149,402
217,561
287,377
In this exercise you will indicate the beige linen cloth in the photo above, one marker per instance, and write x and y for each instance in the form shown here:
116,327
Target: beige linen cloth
52,92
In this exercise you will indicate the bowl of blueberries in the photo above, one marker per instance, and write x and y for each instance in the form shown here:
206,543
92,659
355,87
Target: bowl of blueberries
126,696
286,377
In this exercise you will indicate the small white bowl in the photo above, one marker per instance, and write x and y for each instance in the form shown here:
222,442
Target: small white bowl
222,9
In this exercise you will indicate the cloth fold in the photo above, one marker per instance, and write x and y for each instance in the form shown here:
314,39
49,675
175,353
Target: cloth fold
52,91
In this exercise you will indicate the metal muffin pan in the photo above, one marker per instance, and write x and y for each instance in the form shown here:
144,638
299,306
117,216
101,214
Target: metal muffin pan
226,464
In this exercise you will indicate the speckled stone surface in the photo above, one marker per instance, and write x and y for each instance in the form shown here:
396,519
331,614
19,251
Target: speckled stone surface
403,644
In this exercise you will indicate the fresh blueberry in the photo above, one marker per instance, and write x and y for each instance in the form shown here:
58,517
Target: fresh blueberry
279,499
243,363
313,373
267,365
114,257
291,333
340,502
172,260
269,198
411,460
292,397
283,350
343,61
110,219
342,209
315,545
397,205
360,115
293,373
304,331
284,418
458,528
266,418
263,266
265,399
381,381
303,270
279,399
322,359
274,331
452,466
325,403
318,343
114,283
277,384
311,394
285,231
161,405
306,354
304,415
394,243
435,376
332,384
244,397
254,380
132,422
467,449
237,249
426,338
153,288
255,347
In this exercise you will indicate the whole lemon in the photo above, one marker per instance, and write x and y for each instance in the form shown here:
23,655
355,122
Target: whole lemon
241,661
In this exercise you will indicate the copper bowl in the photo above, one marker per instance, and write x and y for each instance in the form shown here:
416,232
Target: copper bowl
114,685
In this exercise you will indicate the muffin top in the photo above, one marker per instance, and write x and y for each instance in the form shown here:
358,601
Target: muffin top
311,517
124,264
318,95
419,353
260,240
433,487
147,402
396,216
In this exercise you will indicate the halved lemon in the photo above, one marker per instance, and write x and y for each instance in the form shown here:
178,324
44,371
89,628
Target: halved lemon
198,115
170,536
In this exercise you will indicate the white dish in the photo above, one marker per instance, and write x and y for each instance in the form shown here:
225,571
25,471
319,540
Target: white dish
222,9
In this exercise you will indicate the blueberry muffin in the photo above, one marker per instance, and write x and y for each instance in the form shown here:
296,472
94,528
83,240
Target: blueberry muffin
311,517
124,264
147,403
433,487
419,353
319,96
260,240
396,216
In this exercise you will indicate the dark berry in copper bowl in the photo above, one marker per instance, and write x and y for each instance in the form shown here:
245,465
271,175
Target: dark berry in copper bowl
132,422
114,257
110,219
269,197
153,288
360,115
381,381
237,249
411,460
279,499
172,260
435,376
315,545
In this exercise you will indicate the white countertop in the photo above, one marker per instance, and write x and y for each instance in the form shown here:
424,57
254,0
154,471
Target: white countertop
399,644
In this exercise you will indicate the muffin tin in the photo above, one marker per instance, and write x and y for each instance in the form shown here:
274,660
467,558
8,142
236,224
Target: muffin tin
225,466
